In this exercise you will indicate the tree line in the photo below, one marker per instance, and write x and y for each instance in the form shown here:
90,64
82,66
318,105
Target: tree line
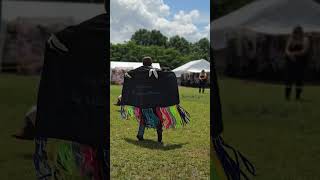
169,52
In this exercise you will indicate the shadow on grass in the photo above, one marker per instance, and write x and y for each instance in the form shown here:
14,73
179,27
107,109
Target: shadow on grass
305,101
26,156
150,144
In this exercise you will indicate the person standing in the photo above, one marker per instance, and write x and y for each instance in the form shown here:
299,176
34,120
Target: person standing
202,80
146,66
296,60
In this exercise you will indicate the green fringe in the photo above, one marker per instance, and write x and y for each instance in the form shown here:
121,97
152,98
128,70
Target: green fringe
175,114
66,157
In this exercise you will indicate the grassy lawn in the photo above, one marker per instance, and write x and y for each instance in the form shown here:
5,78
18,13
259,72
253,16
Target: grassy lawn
17,94
279,137
185,152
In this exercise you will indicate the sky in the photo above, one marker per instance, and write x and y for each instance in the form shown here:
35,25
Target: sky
187,18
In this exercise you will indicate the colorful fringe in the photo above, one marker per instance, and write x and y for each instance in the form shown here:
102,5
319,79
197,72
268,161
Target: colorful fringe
170,117
61,159
231,168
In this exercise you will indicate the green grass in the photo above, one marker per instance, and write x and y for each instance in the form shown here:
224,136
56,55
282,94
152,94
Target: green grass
279,137
185,153
17,94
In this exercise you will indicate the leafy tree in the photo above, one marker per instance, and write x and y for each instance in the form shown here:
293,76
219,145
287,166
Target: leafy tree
179,43
148,38
202,48
169,53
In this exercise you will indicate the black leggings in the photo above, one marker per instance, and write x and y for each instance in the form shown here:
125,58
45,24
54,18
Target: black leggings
294,76
202,85
295,73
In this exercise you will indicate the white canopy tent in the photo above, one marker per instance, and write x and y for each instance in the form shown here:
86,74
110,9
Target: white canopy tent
29,14
193,67
269,17
33,9
129,65
118,67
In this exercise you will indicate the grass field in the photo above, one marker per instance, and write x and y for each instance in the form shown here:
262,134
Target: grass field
17,94
281,138
185,153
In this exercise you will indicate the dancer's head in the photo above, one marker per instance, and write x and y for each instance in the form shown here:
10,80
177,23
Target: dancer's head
147,61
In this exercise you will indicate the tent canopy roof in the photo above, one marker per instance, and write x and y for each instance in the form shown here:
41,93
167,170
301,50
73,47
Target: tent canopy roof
269,17
195,66
129,65
79,11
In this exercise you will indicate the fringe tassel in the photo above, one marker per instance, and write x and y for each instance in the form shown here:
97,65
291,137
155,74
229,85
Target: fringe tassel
123,112
160,116
151,120
173,110
168,120
65,157
169,117
138,115
232,167
174,121
185,116
130,111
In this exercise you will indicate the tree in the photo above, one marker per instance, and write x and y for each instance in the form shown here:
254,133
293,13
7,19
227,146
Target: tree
180,44
169,53
149,38
202,48
157,39
141,37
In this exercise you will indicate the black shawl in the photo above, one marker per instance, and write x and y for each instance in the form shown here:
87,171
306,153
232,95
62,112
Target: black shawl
72,98
152,98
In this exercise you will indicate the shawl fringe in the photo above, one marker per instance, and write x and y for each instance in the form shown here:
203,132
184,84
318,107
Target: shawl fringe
169,117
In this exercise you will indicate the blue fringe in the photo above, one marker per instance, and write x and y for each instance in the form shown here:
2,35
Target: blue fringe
123,113
185,116
151,120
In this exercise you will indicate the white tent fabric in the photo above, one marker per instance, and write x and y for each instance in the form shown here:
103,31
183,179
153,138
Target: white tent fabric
193,66
129,65
78,11
269,17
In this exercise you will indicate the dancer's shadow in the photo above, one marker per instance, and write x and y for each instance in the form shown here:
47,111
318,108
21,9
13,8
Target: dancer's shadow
150,144
305,101
26,156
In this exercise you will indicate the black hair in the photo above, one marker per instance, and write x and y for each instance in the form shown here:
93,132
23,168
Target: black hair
147,61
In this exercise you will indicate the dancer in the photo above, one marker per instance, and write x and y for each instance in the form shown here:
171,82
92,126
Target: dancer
71,133
151,96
